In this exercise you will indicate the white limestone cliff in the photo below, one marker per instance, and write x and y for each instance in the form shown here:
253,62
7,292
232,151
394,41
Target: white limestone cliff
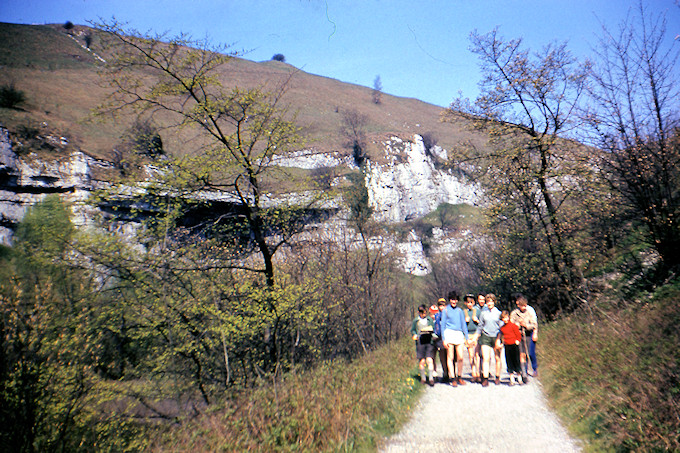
409,185
405,185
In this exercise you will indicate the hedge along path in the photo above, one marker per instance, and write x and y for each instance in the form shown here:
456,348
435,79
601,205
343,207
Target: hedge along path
471,418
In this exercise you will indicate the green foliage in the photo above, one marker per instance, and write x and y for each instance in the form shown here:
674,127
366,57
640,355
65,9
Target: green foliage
356,198
242,129
45,231
11,97
49,338
449,216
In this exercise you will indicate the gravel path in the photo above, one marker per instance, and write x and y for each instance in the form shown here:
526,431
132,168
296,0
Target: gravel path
471,418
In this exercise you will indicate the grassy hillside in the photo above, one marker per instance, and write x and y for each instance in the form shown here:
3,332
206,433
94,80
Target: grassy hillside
612,371
58,74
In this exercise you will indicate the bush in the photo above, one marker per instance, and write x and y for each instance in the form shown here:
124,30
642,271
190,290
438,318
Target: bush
143,138
10,97
68,25
325,409
279,57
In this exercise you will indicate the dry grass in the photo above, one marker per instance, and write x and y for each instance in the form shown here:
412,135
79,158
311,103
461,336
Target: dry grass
338,406
614,374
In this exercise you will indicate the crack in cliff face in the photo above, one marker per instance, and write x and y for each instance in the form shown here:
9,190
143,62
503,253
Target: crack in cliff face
36,190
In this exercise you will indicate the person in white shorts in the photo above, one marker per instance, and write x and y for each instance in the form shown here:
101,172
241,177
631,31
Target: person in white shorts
455,336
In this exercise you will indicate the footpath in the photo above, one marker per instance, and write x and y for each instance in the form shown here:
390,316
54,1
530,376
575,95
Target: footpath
472,418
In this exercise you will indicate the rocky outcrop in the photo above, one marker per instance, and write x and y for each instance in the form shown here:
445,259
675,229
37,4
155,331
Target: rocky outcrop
405,186
409,185
27,180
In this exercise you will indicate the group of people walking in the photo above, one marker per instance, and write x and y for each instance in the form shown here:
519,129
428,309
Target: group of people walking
484,331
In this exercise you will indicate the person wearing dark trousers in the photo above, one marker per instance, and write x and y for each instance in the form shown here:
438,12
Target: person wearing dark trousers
439,344
525,317
422,331
511,336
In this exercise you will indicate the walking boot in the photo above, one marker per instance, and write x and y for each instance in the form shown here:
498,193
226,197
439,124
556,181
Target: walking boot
461,381
485,382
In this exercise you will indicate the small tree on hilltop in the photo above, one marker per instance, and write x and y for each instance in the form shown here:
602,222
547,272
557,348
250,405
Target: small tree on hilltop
377,90
279,57
143,138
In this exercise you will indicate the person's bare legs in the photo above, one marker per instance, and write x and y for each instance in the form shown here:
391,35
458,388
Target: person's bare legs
497,351
486,362
473,365
459,363
421,366
429,363
450,363
430,370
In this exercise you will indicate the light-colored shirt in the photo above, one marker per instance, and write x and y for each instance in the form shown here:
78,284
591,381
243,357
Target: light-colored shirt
490,322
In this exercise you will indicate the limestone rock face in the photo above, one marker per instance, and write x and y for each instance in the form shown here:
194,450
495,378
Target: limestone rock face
409,185
405,185
26,181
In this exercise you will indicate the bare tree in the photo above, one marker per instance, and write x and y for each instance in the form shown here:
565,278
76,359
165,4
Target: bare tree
529,171
353,129
636,113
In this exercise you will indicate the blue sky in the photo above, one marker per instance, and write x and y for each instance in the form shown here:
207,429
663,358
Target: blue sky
418,48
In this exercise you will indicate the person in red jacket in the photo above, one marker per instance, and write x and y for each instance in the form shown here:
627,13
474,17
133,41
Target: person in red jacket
511,337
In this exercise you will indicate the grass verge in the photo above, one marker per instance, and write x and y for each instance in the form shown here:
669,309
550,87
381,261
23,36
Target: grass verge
337,406
614,373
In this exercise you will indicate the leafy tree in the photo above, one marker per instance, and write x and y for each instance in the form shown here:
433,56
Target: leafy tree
635,115
143,138
530,172
47,343
241,129
279,57
199,299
